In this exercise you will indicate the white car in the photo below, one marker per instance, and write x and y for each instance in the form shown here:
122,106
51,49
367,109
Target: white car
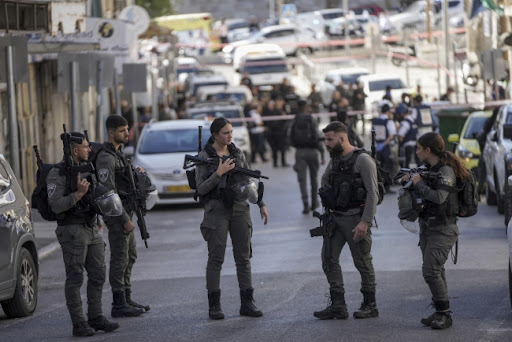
239,94
290,38
509,238
210,110
265,69
161,151
374,87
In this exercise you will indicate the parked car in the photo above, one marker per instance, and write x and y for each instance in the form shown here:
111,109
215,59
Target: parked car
509,238
19,263
497,157
209,110
371,9
161,150
194,81
374,87
265,69
468,149
239,94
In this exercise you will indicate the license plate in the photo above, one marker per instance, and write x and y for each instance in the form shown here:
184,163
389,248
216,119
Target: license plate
177,188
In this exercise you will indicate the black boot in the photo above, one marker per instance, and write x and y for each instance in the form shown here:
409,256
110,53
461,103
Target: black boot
82,329
368,306
129,301
215,311
306,207
121,309
442,317
336,308
101,323
247,307
428,321
314,204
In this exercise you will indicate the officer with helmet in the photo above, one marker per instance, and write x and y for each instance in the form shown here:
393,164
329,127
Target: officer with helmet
224,194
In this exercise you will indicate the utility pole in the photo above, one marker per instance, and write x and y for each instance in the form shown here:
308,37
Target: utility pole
446,42
429,26
346,29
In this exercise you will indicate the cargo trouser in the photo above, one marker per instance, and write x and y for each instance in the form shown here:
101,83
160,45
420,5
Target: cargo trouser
123,254
217,223
82,247
307,158
435,248
360,250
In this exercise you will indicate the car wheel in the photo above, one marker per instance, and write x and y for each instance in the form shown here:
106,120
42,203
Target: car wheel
499,200
490,196
507,203
24,301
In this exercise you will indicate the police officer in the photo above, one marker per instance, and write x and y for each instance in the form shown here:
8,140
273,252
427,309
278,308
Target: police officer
113,169
82,246
306,140
225,194
407,133
422,113
349,172
438,222
385,131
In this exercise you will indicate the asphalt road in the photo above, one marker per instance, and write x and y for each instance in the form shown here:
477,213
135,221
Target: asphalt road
289,283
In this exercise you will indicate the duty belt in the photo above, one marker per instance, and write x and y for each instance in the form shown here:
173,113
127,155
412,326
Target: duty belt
433,220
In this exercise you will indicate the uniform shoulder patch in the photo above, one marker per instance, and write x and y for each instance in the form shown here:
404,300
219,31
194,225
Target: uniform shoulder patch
103,174
51,189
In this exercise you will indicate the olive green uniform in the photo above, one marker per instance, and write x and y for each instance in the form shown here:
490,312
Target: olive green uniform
110,164
345,221
219,220
82,247
437,236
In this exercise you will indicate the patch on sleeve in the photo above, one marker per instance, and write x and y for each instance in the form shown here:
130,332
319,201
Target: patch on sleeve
51,189
103,174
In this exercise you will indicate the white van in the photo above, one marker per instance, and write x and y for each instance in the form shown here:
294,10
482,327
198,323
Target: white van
374,87
255,49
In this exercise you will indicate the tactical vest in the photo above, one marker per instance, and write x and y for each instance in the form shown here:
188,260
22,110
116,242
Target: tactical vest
121,171
348,186
412,134
444,213
381,129
424,119
82,212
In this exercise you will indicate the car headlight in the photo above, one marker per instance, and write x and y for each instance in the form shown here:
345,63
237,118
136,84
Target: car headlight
464,153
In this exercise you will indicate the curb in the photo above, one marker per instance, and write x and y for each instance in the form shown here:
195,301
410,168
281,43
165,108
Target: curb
47,250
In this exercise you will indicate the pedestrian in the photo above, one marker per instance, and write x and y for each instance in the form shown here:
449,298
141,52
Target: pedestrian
358,97
385,131
82,245
275,135
222,32
446,96
256,134
438,221
304,136
387,94
423,116
407,134
113,173
315,99
246,80
352,221
226,211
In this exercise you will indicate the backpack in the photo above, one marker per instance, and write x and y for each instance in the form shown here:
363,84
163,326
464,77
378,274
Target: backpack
467,194
40,193
302,132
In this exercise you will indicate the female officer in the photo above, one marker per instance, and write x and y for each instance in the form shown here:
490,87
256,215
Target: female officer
438,228
224,195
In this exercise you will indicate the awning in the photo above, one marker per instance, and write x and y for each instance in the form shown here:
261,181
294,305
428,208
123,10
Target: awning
155,30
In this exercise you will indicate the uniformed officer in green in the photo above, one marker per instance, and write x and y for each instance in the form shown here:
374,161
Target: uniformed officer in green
438,221
112,169
82,246
225,194
352,176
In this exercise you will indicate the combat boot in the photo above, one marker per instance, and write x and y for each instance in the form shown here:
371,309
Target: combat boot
247,307
82,329
102,323
129,301
306,207
428,321
314,204
442,317
368,307
215,311
336,308
121,309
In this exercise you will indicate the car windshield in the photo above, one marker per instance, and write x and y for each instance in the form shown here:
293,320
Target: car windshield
415,7
197,85
474,127
349,78
215,113
382,84
171,140
187,68
332,15
236,97
263,66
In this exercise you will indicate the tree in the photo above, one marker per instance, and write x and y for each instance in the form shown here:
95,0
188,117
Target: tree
156,8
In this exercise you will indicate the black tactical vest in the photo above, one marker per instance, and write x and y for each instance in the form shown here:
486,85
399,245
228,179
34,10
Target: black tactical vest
348,186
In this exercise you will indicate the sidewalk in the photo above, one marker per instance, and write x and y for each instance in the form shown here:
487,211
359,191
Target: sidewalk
46,240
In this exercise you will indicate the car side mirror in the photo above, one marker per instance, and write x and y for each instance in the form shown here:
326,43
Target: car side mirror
453,138
507,131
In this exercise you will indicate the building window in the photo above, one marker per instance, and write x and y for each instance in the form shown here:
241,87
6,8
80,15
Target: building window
25,16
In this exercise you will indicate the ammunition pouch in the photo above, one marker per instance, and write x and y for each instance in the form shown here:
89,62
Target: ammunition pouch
191,177
328,196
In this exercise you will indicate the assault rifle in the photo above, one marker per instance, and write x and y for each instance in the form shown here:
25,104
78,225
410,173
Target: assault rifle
326,229
191,161
137,202
422,171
